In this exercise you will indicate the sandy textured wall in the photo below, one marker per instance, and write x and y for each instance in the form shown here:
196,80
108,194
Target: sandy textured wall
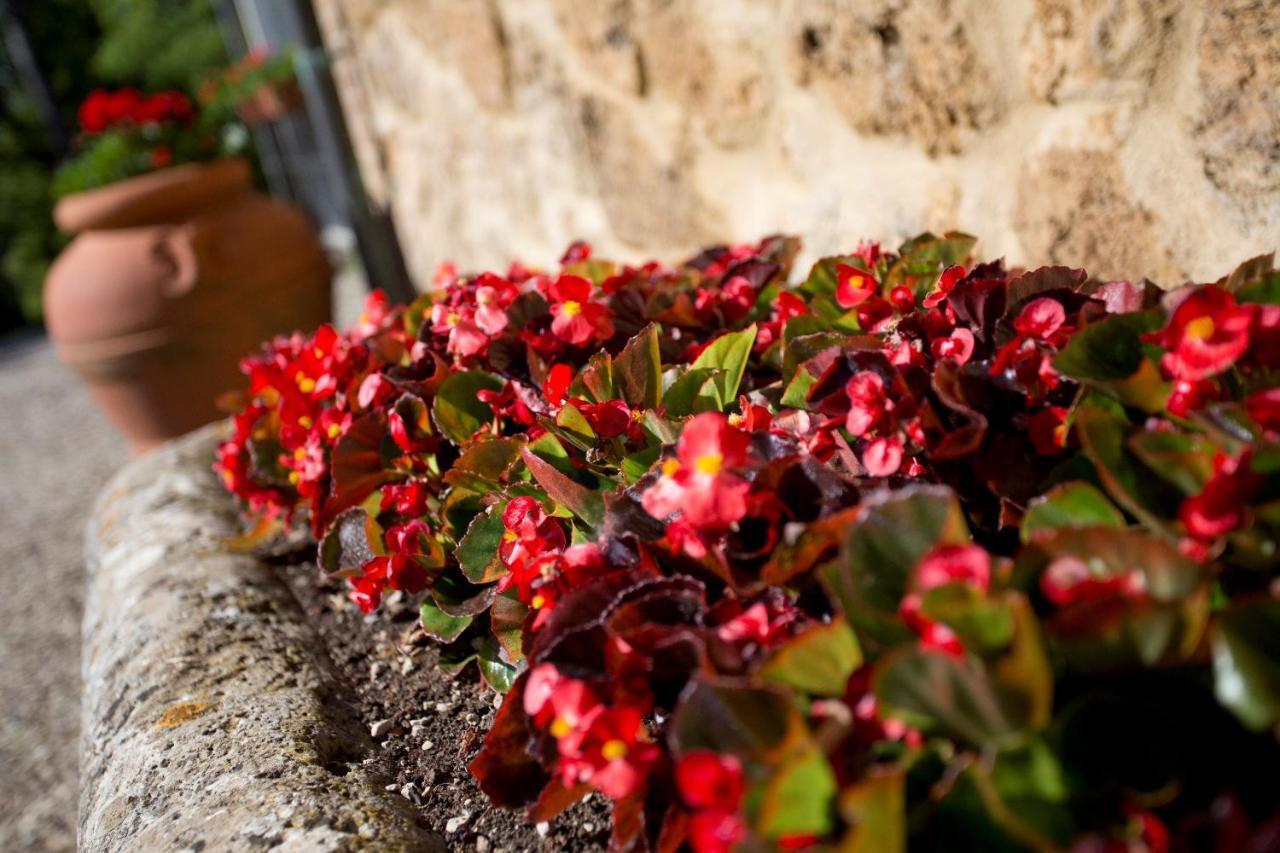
1138,137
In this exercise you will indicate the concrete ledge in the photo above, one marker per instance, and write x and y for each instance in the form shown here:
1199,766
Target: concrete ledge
211,720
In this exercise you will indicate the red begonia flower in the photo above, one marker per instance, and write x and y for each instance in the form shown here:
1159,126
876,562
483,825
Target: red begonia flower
575,318
853,285
957,346
708,780
1223,505
700,482
1207,333
610,749
1048,430
882,456
869,405
1264,409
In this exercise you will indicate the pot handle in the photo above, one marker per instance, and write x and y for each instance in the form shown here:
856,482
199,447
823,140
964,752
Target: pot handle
176,247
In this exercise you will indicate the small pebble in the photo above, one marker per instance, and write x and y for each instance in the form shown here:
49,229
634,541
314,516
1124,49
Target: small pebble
453,824
543,828
482,844
443,707
471,719
391,787
428,745
406,666
588,827
409,792
380,728
497,700
375,669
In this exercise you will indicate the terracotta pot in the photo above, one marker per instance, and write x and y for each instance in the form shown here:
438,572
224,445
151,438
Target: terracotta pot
270,102
175,276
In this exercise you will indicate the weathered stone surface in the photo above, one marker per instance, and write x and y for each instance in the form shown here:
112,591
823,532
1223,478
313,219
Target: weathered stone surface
648,126
210,720
1099,48
1239,128
900,67
1076,204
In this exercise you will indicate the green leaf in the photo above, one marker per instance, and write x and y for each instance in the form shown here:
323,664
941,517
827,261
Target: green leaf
1246,663
1130,485
876,809
1252,271
457,411
573,422
798,795
637,371
1109,349
818,661
477,552
636,465
983,624
681,397
893,532
440,625
496,672
937,691
796,395
1075,504
353,539
730,353
731,717
586,503
1184,460
925,257
1264,291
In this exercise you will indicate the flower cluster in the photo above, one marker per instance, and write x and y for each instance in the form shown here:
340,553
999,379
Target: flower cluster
104,110
917,550
125,132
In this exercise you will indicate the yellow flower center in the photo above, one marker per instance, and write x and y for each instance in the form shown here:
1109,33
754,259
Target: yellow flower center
509,536
294,477
613,750
539,602
300,454
710,464
305,422
736,420
1201,328
453,318
306,384
670,467
560,727
571,308
334,429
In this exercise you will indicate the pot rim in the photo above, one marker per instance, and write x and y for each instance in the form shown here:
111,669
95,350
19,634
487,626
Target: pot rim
155,198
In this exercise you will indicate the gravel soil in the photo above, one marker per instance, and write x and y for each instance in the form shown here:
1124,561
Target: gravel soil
429,726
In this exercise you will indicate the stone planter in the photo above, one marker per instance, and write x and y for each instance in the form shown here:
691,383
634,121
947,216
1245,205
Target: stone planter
210,718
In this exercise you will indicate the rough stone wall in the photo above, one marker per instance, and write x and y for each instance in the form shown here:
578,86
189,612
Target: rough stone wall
1136,137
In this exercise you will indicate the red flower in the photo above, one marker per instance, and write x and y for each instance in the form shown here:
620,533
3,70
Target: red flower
710,781
458,322
712,786
1068,580
493,296
869,406
760,623
408,499
1264,408
95,113
1207,333
610,748
540,581
1223,504
950,277
853,285
699,482
958,346
575,318
882,456
608,419
1048,430
1041,321
1264,336
715,832
945,564
1189,395
530,533
1040,318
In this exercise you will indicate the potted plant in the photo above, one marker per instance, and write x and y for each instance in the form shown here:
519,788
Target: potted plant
149,303
261,87
915,549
